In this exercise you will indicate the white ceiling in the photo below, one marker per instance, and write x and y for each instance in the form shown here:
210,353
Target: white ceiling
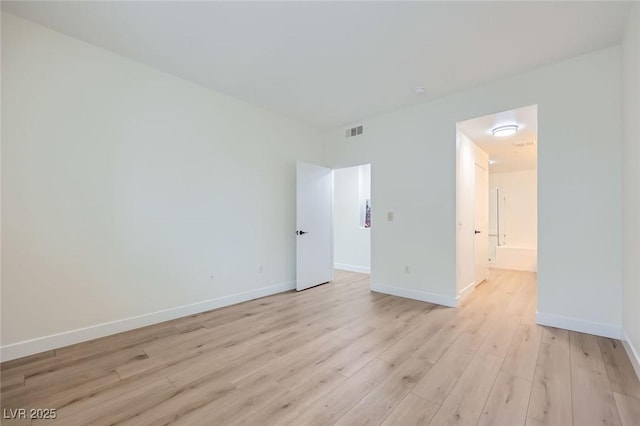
512,153
328,63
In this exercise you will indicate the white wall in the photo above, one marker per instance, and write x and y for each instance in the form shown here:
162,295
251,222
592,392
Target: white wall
352,242
125,188
519,212
468,155
631,185
412,152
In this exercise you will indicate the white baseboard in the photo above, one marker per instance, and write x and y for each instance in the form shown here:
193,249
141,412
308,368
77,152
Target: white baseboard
580,325
352,268
466,291
420,295
66,338
634,355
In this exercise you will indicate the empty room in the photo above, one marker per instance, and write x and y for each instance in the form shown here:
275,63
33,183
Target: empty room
319,213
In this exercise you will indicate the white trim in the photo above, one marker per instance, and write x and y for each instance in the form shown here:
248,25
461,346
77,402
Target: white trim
634,355
58,340
423,296
352,268
466,291
580,325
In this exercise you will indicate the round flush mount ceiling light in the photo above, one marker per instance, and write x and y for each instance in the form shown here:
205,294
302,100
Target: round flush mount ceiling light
504,131
420,90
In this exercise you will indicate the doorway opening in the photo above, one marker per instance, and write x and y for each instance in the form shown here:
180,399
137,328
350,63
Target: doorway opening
333,222
352,219
496,196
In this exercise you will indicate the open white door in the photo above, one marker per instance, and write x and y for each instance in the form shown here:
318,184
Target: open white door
481,241
314,234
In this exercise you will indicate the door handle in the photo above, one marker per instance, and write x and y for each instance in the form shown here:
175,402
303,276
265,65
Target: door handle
476,232
301,232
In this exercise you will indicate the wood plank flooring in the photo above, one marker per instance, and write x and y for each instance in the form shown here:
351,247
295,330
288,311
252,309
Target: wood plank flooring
339,354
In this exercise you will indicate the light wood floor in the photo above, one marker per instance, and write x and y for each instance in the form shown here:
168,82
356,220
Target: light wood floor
339,354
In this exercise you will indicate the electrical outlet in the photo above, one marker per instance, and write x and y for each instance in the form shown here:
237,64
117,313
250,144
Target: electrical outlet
390,216
260,269
406,269
212,278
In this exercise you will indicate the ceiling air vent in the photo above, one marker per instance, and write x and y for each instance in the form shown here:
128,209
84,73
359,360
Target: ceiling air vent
354,131
523,144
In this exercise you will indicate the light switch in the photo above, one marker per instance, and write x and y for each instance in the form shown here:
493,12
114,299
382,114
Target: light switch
390,216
